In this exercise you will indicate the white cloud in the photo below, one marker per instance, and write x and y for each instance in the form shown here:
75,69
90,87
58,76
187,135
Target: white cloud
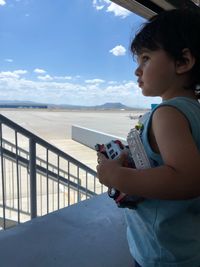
94,81
93,92
2,2
111,7
7,75
41,71
118,50
98,4
48,77
118,10
98,7
8,60
112,82
62,77
45,78
12,74
20,72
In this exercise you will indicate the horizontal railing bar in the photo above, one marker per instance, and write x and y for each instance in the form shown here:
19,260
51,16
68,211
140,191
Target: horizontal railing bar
4,141
25,163
44,143
64,181
16,210
53,176
37,158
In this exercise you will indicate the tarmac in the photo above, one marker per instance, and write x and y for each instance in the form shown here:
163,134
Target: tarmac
55,126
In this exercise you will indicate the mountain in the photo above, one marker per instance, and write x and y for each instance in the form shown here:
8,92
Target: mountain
106,106
21,104
111,105
31,104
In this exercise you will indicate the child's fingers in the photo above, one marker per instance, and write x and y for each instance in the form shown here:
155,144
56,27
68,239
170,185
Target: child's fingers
100,157
124,155
123,158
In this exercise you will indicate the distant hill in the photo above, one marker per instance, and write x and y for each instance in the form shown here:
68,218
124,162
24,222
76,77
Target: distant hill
21,104
31,104
106,106
112,106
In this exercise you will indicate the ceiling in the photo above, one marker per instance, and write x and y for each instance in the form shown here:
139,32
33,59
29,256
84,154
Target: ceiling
148,8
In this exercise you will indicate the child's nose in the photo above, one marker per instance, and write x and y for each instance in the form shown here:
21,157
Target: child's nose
138,71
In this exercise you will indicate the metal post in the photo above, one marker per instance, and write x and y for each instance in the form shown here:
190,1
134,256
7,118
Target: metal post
86,184
47,175
78,186
58,181
33,191
17,172
2,177
68,171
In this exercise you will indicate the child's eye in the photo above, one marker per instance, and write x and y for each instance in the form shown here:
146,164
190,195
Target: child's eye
145,58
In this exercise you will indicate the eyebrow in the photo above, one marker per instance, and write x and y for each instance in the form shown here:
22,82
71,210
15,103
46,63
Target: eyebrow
144,50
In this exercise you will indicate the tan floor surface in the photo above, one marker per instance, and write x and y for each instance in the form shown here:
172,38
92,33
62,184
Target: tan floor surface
78,151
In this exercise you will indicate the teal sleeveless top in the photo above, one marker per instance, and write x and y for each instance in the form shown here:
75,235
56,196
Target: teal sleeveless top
166,233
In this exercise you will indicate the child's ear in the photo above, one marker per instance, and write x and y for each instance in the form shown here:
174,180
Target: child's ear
186,63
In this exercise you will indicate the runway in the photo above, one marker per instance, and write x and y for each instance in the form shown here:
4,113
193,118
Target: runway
55,126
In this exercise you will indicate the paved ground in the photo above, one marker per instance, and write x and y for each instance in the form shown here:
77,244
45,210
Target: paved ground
57,124
55,127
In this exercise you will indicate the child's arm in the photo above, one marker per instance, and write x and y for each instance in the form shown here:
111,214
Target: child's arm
178,178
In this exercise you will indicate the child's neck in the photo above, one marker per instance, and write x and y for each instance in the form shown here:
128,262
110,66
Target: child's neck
184,93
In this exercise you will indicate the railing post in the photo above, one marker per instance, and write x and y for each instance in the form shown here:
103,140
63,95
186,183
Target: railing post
2,177
33,191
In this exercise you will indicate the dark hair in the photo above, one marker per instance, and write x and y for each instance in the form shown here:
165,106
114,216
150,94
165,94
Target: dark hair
173,31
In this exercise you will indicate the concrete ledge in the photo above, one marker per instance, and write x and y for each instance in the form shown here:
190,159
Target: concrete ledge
90,138
91,233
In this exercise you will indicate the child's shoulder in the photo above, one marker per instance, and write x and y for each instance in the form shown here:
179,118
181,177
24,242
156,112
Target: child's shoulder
183,104
180,100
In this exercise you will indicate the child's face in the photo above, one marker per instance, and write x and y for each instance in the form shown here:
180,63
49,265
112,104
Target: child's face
156,73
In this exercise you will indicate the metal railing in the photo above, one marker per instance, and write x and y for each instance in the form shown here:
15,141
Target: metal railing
38,178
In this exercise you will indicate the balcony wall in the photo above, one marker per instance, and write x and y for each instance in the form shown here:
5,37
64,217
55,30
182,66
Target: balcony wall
91,233
90,137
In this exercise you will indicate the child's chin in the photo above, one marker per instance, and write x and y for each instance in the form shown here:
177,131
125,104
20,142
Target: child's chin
146,93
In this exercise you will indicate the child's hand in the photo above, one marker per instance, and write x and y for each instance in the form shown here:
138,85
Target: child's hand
107,169
100,157
124,158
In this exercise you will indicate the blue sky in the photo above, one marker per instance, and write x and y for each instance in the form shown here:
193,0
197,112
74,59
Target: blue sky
68,52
